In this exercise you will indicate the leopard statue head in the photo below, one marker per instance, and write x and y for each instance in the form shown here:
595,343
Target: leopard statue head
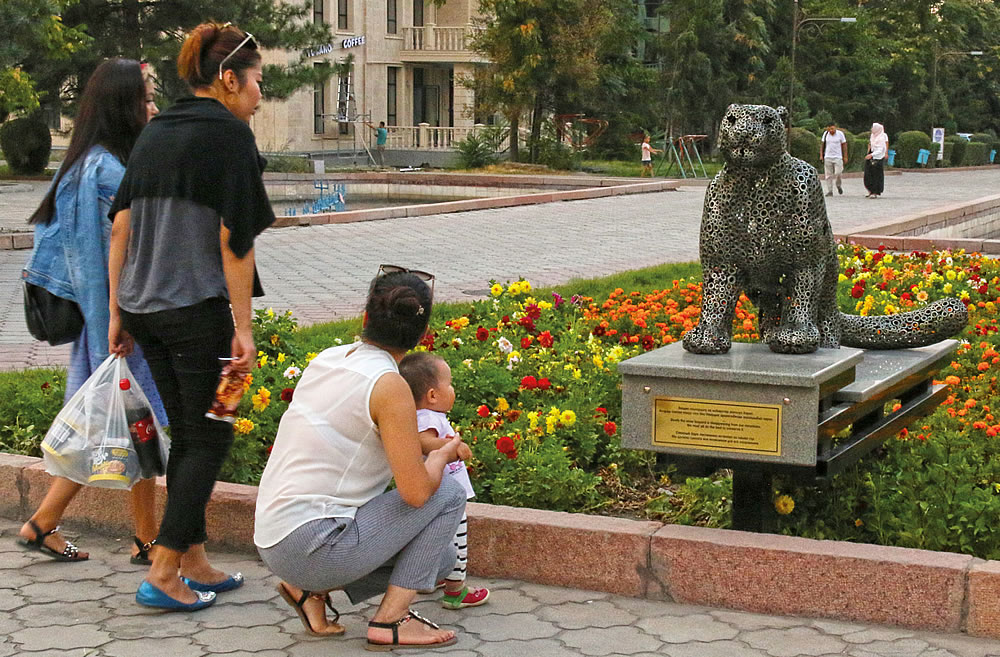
753,135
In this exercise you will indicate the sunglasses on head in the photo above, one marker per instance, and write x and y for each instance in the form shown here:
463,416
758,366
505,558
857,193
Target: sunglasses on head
244,42
395,269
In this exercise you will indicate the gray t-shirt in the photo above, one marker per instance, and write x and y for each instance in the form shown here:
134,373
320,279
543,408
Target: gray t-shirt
171,264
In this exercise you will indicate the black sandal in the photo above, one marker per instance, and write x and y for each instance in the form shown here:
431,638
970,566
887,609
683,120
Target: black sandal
286,595
69,553
396,645
142,557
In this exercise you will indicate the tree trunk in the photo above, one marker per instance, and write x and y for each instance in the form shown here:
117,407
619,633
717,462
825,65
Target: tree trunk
131,34
513,138
536,127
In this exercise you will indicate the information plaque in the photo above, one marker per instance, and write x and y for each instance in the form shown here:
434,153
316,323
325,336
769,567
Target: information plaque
706,424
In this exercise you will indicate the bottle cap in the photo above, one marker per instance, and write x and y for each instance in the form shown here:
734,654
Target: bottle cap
124,384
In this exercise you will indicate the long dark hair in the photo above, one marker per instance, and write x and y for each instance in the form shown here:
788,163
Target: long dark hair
112,113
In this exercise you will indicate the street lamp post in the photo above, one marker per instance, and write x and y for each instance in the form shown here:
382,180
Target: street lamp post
934,71
799,19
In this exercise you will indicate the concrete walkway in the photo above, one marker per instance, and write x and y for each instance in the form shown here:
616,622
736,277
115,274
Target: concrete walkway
322,272
88,609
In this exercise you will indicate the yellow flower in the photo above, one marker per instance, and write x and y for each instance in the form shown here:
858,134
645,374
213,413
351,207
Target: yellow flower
261,400
263,360
243,425
554,412
247,382
859,522
947,287
502,405
514,355
550,424
841,278
528,300
784,505
525,286
576,373
598,361
461,322
544,305
950,274
274,340
532,419
259,354
568,418
311,355
270,313
496,290
888,259
281,358
890,309
514,289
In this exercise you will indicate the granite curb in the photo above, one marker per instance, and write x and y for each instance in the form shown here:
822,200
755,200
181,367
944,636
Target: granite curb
761,573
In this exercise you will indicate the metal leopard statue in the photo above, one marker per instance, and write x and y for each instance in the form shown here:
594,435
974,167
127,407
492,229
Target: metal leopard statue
765,232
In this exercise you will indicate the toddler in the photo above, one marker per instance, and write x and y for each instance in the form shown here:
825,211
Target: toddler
430,381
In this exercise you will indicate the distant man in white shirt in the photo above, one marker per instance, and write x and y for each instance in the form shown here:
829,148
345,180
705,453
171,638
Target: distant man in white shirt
833,151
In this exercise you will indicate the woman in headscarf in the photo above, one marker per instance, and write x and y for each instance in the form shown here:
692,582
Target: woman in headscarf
878,150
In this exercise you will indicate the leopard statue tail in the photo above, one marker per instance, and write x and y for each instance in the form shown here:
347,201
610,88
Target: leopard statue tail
918,328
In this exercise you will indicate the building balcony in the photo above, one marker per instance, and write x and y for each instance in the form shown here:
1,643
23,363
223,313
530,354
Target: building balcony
435,43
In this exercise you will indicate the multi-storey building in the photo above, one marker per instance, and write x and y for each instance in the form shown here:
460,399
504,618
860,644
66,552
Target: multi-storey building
409,57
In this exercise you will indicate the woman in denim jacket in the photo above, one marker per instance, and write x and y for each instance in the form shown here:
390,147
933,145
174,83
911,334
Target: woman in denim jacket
70,260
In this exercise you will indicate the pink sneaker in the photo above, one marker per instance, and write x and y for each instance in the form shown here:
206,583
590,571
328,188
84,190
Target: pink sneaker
469,596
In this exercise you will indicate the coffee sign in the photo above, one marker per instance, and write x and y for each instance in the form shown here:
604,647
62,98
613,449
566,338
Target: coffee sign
327,48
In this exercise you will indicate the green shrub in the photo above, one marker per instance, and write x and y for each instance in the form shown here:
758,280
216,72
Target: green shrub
804,145
557,155
933,162
945,161
856,151
958,149
909,147
288,164
812,125
476,151
976,154
26,144
985,138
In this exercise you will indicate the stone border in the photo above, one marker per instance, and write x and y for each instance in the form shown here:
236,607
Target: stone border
760,573
897,234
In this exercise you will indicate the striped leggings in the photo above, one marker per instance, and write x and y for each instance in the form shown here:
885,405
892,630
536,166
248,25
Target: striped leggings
387,542
462,548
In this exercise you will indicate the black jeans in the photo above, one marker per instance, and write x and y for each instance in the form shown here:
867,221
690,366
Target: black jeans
183,347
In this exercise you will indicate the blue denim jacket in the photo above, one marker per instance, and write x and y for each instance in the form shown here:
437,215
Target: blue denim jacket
70,256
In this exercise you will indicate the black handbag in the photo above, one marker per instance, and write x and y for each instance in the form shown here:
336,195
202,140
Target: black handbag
50,318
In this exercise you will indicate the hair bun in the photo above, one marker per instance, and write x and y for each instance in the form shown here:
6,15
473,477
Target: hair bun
403,302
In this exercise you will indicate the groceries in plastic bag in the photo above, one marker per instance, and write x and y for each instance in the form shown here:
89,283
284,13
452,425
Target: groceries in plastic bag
107,434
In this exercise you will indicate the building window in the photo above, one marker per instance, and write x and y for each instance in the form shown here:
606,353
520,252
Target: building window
319,105
390,16
392,74
418,13
318,12
342,14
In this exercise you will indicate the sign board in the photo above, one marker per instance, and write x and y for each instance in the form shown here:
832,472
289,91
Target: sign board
327,48
711,425
938,138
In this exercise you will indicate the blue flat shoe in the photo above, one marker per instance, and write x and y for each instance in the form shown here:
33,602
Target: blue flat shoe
230,583
150,596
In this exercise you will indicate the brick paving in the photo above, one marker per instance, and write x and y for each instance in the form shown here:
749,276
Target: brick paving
88,610
322,272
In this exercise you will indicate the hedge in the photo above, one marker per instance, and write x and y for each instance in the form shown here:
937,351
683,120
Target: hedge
909,147
976,154
958,149
26,144
805,146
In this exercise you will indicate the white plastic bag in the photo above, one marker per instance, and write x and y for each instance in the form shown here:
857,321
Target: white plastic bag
90,441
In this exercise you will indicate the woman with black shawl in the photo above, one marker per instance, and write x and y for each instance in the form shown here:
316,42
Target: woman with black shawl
182,276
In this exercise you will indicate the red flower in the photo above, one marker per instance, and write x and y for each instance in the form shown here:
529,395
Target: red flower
857,291
528,324
428,341
610,428
505,319
286,394
482,334
269,448
543,384
545,339
598,331
526,342
600,410
529,383
533,311
483,411
505,444
512,454
648,342
46,386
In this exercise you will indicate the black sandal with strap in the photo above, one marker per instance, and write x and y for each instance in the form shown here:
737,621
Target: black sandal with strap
141,558
286,595
396,645
69,552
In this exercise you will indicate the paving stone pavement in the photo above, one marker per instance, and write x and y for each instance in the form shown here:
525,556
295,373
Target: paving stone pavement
322,272
88,610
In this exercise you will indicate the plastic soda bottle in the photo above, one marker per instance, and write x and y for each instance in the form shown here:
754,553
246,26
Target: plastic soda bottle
142,429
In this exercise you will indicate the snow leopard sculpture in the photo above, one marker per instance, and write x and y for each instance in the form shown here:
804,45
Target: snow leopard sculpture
765,232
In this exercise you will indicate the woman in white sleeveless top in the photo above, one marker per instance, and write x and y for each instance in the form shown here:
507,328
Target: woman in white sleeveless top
323,519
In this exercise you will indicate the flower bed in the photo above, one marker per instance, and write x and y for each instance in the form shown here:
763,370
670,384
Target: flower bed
539,402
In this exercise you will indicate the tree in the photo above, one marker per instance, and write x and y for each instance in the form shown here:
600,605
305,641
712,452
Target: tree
544,55
153,30
33,33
